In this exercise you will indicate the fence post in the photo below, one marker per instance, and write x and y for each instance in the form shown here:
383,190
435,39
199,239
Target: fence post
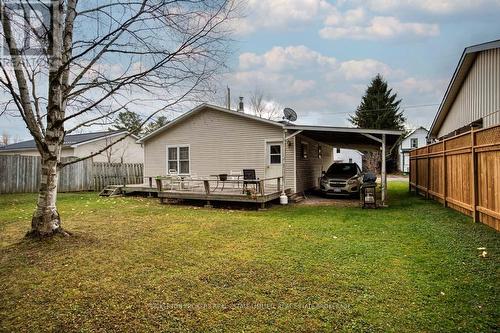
445,175
475,214
428,178
416,172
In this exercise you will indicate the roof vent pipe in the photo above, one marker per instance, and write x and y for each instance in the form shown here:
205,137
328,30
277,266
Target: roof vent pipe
240,105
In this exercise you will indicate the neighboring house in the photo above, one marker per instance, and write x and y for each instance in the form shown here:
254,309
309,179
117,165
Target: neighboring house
415,139
81,145
473,95
342,155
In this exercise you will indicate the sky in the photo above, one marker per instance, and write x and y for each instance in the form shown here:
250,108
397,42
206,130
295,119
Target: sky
317,56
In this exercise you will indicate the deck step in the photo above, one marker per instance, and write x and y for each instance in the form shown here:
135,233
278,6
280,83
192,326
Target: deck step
296,197
110,191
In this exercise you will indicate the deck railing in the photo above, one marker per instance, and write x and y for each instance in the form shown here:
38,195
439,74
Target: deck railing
209,185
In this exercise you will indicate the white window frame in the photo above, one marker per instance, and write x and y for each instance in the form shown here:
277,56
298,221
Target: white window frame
179,158
269,153
306,144
411,142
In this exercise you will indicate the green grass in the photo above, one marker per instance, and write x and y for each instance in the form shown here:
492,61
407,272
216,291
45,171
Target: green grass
136,265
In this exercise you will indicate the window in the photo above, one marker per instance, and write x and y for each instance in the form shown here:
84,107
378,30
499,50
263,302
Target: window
414,143
320,153
338,150
178,159
304,147
350,160
275,154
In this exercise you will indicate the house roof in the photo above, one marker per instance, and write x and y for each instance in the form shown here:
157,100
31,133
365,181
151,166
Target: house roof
198,109
416,129
466,61
71,140
346,137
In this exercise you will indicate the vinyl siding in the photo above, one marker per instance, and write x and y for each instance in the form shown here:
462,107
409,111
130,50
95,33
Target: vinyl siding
219,142
309,170
65,152
479,96
127,149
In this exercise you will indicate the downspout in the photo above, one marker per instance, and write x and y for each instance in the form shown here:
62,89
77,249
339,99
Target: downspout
283,161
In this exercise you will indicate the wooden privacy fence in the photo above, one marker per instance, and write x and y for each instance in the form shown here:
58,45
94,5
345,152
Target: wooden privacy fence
21,174
463,173
116,173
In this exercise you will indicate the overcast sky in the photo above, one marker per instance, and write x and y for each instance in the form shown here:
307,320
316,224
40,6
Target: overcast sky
317,56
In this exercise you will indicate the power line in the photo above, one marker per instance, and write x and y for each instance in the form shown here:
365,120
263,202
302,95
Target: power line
385,109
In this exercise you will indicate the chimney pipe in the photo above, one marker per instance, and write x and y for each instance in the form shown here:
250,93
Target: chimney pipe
240,105
228,98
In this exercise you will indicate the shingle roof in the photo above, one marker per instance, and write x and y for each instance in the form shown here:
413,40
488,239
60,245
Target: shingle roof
69,140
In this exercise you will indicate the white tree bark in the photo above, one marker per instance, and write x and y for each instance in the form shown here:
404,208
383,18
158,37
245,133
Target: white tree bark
137,52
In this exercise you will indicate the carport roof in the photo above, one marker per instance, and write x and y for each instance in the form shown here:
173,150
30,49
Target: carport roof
347,137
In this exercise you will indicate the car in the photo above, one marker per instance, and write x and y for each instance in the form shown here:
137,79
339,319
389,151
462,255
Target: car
341,179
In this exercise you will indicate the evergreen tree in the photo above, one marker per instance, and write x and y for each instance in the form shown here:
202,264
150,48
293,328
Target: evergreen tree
379,107
130,121
155,124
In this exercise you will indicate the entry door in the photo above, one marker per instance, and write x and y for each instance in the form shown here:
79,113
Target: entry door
274,158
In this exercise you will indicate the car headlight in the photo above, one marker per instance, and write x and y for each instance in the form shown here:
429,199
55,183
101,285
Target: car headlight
323,181
351,181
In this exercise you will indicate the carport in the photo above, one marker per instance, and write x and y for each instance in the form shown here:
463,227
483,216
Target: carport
351,138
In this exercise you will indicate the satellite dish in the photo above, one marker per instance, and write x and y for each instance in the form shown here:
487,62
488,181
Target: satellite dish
289,114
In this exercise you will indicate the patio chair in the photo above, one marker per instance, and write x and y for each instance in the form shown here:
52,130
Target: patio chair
235,176
250,178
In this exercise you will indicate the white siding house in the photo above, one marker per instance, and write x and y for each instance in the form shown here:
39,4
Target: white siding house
211,140
417,138
85,144
342,155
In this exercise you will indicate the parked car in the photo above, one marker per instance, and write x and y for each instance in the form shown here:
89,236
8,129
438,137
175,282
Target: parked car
341,179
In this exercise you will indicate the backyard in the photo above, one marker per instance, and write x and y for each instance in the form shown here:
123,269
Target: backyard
135,265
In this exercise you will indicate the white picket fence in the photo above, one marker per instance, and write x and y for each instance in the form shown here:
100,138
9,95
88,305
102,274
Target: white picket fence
21,174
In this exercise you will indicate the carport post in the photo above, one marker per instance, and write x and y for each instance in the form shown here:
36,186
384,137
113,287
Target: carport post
283,159
384,173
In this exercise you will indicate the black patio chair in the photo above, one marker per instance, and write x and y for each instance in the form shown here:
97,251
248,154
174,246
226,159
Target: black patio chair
250,178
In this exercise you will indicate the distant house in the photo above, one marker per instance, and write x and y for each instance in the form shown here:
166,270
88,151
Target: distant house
80,145
415,139
473,95
343,155
211,140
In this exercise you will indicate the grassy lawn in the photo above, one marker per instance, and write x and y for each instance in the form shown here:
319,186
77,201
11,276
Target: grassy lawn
136,265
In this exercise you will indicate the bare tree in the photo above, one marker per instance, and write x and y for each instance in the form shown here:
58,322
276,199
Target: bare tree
263,106
5,139
97,58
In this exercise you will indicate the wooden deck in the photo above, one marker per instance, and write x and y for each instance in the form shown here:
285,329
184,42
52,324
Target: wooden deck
209,190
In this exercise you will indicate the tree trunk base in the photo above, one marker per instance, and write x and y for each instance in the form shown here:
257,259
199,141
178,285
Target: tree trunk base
46,223
35,234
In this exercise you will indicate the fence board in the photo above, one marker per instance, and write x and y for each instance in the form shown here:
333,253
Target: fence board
463,172
22,174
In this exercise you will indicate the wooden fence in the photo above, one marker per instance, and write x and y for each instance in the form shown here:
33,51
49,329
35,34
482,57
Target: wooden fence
21,174
463,173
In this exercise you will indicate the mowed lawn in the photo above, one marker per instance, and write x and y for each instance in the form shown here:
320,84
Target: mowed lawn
136,265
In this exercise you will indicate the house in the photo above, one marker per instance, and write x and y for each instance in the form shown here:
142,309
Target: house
415,139
343,155
81,145
472,98
211,140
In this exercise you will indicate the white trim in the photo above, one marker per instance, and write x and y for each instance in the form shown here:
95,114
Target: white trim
268,153
178,158
293,134
372,137
294,164
342,129
200,108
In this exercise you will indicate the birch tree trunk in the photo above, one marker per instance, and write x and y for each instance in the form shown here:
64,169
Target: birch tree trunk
45,221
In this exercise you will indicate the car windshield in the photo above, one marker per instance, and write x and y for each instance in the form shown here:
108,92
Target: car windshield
342,170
